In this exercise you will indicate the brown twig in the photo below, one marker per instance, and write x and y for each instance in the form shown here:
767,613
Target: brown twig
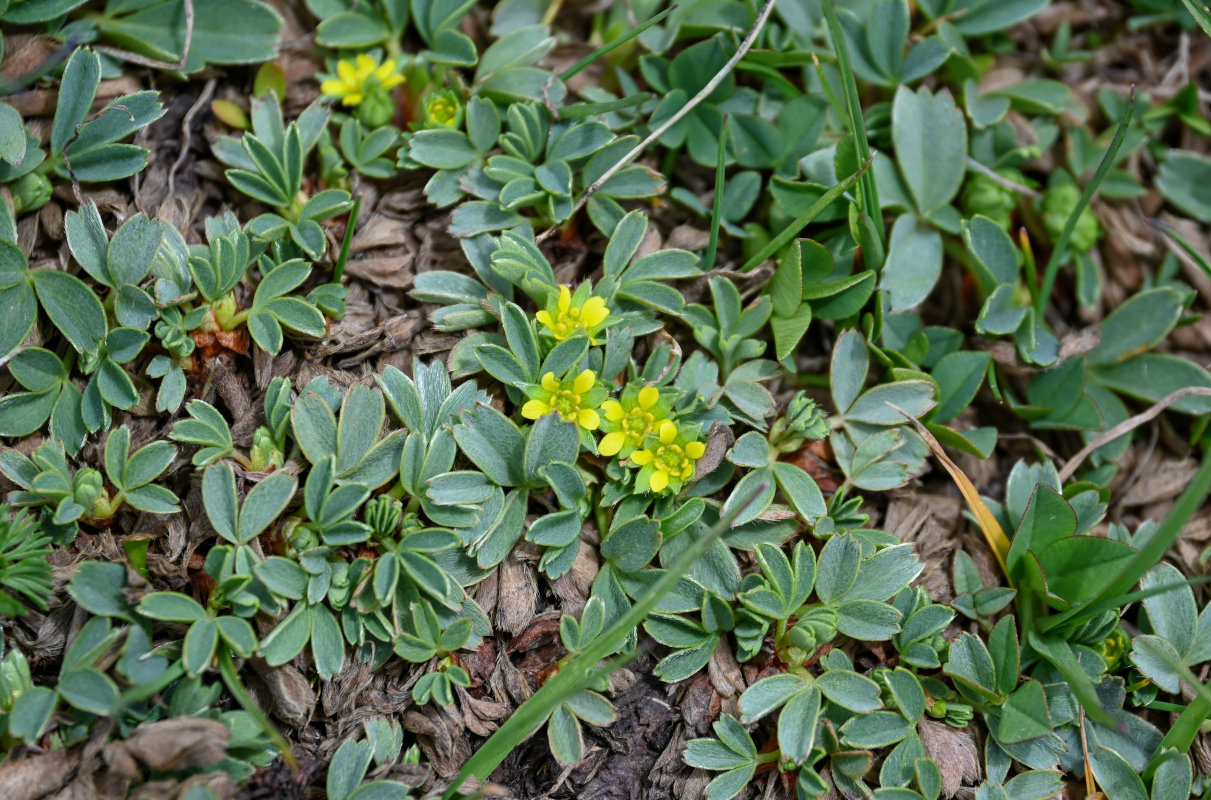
1130,424
187,134
75,182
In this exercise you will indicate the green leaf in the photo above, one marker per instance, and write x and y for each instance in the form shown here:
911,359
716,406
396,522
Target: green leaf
327,644
493,442
797,724
878,729
1079,567
930,138
914,262
442,149
959,376
237,632
200,642
1143,320
850,690
172,607
89,690
81,77
264,504
351,29
73,307
1024,715
31,712
222,504
971,664
12,135
289,638
1115,776
564,736
907,692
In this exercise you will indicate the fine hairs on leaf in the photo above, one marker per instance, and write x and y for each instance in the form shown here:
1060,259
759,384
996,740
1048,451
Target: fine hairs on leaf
577,672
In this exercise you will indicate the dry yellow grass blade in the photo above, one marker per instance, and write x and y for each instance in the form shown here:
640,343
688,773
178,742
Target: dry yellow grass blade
996,538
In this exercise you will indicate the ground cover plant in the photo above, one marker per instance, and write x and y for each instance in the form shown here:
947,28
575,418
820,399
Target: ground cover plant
734,399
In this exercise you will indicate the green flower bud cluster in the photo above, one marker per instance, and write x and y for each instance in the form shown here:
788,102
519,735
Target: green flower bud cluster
818,626
264,453
803,420
954,714
983,195
1059,201
383,515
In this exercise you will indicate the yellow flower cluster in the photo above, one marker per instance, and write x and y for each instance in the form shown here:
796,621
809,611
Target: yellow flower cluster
572,314
669,462
575,400
638,427
356,77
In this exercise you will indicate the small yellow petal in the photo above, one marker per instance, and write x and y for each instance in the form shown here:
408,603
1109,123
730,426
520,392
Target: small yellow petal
695,450
588,419
659,480
642,457
345,70
594,312
385,70
391,81
333,87
565,299
549,383
613,410
611,443
648,397
668,432
352,99
584,381
365,63
545,318
535,409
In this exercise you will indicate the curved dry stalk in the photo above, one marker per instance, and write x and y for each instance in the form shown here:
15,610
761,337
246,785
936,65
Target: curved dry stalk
1128,425
711,85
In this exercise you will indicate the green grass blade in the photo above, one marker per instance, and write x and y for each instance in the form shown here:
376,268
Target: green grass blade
1185,244
1059,654
1061,246
236,687
619,42
579,671
708,258
1050,624
339,271
1200,14
868,192
800,222
578,110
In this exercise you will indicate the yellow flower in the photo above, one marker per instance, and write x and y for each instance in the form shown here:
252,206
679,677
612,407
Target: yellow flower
572,314
669,463
356,78
631,418
573,399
